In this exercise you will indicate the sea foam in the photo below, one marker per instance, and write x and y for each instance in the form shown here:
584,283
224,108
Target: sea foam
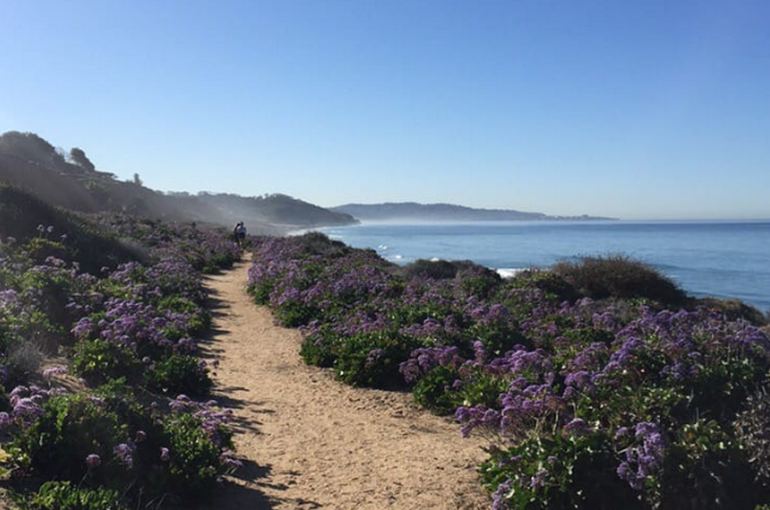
509,272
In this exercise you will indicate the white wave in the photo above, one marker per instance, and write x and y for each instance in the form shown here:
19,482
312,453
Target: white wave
435,259
382,247
509,272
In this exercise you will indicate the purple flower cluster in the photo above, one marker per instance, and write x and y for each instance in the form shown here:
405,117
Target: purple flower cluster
204,249
124,452
26,404
424,359
140,326
571,370
213,419
644,457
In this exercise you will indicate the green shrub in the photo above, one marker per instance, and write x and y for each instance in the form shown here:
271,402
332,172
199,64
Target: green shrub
619,276
99,361
587,335
293,314
443,389
434,390
54,288
217,262
180,374
39,249
120,398
5,403
71,428
318,350
497,337
372,359
23,359
56,495
483,388
705,468
753,433
482,286
433,269
194,460
316,243
550,282
734,309
559,473
261,292
200,319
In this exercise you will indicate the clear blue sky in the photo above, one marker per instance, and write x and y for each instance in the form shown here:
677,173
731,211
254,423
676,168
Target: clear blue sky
636,109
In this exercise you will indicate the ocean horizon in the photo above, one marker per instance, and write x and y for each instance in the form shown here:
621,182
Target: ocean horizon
727,259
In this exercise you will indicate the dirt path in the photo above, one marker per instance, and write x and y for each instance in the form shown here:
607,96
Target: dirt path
311,442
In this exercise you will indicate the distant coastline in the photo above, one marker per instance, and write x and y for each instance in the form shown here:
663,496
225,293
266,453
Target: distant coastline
410,212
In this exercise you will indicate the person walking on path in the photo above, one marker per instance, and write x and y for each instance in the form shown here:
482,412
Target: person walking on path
239,233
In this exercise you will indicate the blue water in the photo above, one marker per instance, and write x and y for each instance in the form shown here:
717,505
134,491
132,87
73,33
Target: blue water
723,259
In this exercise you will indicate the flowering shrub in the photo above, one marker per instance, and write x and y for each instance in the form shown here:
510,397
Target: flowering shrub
205,250
195,463
593,394
133,327
66,431
109,439
99,361
180,374
752,428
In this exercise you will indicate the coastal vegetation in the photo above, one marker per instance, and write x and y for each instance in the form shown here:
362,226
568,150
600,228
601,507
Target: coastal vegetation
104,398
599,384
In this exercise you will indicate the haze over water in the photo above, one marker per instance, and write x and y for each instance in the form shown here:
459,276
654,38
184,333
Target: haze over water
724,259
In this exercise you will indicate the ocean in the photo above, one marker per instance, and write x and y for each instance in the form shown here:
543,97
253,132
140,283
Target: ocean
729,259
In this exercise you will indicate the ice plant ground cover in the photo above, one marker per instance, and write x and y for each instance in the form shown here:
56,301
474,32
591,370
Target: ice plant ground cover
139,430
594,393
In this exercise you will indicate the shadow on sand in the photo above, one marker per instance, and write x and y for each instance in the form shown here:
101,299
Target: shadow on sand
243,489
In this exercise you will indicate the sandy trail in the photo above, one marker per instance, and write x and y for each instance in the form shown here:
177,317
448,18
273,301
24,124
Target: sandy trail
311,442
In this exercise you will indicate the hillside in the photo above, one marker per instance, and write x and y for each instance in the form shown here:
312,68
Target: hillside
412,211
72,181
24,218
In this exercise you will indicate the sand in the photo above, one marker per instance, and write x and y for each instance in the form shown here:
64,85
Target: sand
309,441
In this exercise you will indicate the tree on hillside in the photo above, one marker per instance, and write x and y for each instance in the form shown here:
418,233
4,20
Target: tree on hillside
30,147
137,180
78,156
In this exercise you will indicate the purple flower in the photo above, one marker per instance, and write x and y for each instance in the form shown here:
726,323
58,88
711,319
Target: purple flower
577,427
51,372
93,461
644,458
500,496
165,455
622,432
538,480
125,454
580,379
